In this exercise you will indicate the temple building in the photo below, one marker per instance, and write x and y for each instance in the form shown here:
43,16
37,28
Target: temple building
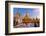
16,18
25,20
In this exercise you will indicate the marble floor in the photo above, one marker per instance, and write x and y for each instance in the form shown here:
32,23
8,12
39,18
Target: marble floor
25,25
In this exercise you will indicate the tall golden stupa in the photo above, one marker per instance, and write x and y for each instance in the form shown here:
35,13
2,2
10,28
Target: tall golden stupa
26,19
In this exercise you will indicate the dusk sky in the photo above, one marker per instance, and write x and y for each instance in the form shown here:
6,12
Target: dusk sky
32,11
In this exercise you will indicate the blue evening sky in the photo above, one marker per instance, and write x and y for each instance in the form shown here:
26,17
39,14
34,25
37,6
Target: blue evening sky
32,11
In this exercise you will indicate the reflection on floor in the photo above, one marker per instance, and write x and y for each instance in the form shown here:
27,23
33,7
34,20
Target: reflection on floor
26,25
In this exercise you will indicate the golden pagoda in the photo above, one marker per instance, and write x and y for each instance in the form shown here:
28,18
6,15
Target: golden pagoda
26,19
